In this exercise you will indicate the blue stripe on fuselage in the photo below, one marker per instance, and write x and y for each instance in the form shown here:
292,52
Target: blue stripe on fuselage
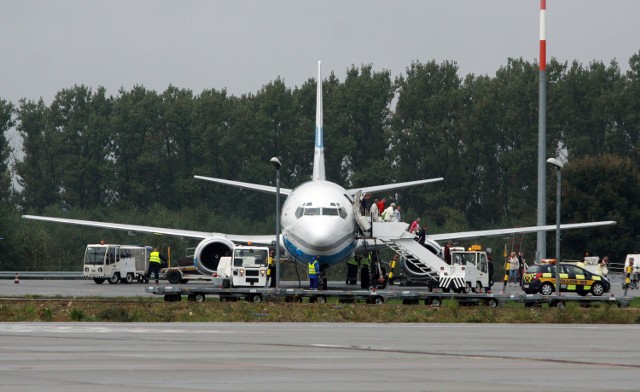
300,256
319,137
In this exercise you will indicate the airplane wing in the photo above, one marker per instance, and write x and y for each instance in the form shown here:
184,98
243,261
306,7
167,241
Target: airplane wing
246,185
392,187
514,230
256,239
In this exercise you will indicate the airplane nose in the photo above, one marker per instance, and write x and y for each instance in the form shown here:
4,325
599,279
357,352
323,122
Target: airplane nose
324,235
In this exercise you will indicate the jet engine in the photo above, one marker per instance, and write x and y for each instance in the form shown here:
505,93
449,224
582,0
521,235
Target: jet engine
208,254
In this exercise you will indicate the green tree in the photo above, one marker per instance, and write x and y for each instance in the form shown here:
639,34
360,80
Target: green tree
6,123
628,105
590,125
514,136
135,148
175,147
9,253
427,138
37,171
595,189
81,137
364,102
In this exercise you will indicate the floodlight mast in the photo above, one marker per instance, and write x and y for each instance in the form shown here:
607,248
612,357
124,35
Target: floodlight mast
277,165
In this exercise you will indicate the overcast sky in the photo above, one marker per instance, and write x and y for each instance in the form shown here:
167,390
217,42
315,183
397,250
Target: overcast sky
242,45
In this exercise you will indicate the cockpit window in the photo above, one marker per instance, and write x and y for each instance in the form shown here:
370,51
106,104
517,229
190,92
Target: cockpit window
330,211
326,211
312,211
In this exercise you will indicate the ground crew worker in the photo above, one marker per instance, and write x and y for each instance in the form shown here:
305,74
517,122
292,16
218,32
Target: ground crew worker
314,270
365,274
270,270
490,271
154,264
628,270
352,270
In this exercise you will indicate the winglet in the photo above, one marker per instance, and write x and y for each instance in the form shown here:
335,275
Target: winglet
318,158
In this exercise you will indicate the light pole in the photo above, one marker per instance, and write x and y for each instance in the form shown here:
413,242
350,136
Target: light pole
558,167
276,163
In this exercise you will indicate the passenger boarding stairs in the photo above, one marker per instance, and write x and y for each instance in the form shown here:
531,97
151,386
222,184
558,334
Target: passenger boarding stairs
419,262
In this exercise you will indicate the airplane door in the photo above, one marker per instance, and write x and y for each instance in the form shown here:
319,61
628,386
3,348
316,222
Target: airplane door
362,221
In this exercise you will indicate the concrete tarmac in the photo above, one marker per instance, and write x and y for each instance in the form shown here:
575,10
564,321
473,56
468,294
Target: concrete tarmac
87,288
71,288
73,357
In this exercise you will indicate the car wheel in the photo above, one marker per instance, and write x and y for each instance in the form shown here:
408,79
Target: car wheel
99,280
597,289
128,278
546,288
199,297
478,288
436,302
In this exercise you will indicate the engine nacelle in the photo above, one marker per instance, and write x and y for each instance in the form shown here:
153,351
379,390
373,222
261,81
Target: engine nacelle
208,254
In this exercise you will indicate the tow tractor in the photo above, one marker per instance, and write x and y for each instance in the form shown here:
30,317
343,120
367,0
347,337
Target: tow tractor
468,271
246,268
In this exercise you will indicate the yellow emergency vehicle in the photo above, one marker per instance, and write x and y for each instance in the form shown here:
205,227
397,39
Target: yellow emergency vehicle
542,279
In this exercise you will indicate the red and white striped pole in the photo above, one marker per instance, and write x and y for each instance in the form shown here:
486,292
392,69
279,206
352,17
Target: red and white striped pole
541,245
543,36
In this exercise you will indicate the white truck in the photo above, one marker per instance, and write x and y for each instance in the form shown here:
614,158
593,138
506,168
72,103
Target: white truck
469,270
116,263
246,268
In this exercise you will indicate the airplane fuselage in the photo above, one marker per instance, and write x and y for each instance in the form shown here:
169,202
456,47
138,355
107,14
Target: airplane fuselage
317,220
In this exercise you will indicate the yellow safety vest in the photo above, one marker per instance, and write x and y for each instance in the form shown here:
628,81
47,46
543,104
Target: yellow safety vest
312,267
154,257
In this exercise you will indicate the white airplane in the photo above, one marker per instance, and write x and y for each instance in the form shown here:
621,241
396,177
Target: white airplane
317,218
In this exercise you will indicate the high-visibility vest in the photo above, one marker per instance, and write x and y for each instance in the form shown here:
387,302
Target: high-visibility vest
154,257
352,262
312,267
269,262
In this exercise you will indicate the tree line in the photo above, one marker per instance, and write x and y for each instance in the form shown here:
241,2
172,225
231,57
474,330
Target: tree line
131,157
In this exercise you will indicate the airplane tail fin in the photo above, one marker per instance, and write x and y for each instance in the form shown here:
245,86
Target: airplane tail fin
318,157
